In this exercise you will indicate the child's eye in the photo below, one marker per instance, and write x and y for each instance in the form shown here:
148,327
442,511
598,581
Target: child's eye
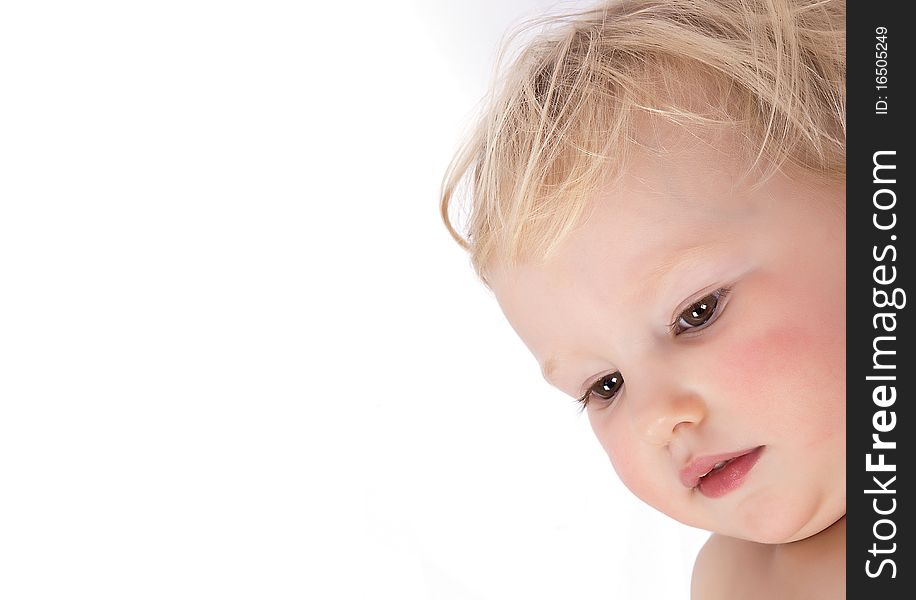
700,314
605,389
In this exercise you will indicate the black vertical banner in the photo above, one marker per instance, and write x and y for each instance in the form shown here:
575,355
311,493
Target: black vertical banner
881,436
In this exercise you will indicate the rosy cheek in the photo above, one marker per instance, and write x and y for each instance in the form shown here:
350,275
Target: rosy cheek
763,357
787,375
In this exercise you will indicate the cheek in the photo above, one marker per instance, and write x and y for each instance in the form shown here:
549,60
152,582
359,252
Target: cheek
785,353
763,358
613,439
635,470
791,376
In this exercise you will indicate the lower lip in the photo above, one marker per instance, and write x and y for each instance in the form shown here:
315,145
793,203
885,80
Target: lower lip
730,477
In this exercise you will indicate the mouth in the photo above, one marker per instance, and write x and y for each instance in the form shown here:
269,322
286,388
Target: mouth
717,475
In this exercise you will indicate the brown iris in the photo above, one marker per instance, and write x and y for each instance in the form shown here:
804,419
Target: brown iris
608,386
700,312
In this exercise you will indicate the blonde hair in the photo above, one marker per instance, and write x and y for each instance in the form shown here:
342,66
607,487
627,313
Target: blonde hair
560,121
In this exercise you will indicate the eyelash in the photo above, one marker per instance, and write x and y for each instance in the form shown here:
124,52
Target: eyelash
674,329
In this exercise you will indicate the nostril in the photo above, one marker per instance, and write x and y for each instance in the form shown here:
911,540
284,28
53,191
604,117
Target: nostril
682,425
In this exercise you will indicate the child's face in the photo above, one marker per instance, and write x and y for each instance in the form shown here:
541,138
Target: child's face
762,366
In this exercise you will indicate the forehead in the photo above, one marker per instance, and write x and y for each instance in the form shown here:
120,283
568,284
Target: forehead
667,207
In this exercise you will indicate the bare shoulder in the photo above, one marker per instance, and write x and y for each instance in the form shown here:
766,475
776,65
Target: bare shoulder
720,563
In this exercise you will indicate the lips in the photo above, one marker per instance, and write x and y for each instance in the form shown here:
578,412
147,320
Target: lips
691,474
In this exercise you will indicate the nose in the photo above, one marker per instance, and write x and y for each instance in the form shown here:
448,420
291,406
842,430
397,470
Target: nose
659,414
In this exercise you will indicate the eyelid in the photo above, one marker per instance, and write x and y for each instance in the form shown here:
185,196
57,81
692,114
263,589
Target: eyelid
585,394
721,301
590,383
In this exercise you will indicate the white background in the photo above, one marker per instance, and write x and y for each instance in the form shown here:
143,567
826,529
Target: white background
240,357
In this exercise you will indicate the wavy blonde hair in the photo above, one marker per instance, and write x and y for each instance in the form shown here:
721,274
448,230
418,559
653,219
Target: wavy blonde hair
562,115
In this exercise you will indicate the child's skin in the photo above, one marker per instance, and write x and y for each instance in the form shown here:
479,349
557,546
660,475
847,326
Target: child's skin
764,368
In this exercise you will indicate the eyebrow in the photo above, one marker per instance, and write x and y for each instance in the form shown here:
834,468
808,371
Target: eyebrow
680,258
